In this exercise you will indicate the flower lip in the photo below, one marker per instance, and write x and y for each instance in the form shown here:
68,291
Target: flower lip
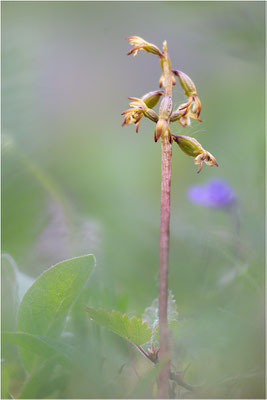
216,193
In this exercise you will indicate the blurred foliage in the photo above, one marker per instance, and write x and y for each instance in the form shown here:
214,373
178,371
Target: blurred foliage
74,183
132,329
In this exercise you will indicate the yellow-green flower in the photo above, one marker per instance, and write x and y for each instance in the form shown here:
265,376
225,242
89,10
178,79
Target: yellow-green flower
183,115
141,44
190,91
139,109
193,148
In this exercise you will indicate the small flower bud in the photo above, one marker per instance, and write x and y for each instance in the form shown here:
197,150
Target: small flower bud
161,81
152,98
165,109
186,83
162,129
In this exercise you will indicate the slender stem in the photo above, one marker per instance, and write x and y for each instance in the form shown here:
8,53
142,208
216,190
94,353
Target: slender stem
167,72
166,151
140,348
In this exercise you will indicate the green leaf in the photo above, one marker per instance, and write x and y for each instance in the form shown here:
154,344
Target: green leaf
45,347
46,304
133,329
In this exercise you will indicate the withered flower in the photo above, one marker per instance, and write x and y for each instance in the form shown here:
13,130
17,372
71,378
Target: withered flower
141,44
193,148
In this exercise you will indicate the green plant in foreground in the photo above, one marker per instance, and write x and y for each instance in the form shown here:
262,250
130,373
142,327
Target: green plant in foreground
163,119
47,353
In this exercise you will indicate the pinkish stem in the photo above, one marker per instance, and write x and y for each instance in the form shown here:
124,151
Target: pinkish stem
163,379
166,159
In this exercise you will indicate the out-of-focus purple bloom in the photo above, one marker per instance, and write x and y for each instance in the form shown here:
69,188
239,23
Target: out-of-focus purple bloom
216,193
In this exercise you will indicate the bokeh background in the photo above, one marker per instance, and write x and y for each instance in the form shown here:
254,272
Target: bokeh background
74,182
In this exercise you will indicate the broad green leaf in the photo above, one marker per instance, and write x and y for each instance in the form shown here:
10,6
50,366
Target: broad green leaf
45,347
46,304
133,329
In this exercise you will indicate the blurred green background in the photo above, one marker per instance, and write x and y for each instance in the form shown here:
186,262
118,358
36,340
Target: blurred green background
74,182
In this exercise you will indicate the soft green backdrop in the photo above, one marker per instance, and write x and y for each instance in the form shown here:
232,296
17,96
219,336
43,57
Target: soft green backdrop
74,182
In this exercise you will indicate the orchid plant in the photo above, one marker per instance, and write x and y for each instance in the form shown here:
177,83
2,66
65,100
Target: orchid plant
144,107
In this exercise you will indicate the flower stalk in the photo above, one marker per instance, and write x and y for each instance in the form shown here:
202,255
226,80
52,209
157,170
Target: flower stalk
166,162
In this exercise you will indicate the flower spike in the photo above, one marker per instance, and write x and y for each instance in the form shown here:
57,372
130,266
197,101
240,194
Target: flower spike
143,107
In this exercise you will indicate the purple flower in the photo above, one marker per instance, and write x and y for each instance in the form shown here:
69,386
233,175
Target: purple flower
216,193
